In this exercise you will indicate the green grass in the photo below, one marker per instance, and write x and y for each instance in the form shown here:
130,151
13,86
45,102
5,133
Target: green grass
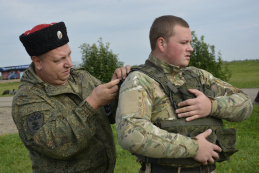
126,162
246,160
8,86
245,74
14,156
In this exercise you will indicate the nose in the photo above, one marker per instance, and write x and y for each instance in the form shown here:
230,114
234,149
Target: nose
68,62
189,48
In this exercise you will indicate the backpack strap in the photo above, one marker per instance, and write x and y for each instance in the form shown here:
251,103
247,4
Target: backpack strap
152,71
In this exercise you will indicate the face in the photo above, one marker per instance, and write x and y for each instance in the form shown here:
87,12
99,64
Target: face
178,49
54,66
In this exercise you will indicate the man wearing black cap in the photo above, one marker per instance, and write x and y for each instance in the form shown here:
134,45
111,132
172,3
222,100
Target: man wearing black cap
63,115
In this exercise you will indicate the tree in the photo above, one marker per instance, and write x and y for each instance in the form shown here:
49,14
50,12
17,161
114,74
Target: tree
203,56
99,61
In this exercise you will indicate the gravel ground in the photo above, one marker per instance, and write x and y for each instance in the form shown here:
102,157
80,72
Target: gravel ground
7,125
9,81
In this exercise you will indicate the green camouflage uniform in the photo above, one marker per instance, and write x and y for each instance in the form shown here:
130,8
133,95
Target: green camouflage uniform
142,103
62,132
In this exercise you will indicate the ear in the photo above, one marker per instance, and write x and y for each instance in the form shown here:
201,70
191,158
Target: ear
161,44
37,62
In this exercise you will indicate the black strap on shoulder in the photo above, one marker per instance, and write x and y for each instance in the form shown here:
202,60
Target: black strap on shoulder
152,71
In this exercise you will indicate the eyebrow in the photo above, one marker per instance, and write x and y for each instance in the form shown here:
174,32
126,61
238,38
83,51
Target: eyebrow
67,54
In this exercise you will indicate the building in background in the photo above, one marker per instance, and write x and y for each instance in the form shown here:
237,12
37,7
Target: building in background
13,72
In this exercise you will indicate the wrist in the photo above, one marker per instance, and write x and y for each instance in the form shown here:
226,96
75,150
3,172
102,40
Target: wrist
92,103
213,105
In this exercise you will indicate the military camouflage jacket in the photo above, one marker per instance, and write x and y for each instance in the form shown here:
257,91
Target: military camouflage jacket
62,132
142,102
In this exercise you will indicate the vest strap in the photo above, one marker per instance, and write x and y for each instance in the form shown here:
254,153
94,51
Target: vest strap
207,121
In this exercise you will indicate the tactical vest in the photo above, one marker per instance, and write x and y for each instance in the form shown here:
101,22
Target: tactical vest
224,138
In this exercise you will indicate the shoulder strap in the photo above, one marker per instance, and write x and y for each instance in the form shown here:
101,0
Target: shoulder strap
152,71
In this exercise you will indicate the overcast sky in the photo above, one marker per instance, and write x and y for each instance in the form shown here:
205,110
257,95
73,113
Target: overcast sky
232,26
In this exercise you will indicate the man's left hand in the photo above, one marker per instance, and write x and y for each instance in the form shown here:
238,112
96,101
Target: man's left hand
121,73
198,107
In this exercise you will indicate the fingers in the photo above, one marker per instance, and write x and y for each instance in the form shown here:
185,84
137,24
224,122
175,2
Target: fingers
212,159
206,133
192,118
198,107
112,83
205,162
215,155
185,111
186,102
195,92
121,73
217,148
103,94
191,112
207,152
112,88
128,68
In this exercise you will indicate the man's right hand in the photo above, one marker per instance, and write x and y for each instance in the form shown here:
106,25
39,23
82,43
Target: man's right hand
103,94
207,151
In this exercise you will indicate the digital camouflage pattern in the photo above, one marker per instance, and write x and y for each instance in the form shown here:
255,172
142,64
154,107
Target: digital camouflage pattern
62,132
142,103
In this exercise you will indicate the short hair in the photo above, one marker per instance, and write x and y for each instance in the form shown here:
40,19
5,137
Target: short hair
163,27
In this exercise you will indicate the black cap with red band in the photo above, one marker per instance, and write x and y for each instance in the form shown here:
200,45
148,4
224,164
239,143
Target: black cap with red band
44,37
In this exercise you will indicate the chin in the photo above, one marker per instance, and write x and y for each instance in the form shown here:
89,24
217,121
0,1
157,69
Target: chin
62,83
186,63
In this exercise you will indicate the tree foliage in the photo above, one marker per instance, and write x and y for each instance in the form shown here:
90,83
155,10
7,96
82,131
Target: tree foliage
203,56
99,61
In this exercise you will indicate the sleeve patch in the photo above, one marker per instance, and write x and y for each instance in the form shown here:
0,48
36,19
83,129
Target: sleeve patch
35,122
129,102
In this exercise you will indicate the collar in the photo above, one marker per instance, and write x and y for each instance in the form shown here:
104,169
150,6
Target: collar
51,90
163,66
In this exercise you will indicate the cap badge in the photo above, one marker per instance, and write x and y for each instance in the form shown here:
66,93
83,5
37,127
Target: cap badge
59,34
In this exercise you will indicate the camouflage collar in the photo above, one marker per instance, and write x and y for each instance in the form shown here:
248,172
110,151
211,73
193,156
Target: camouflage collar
163,66
29,76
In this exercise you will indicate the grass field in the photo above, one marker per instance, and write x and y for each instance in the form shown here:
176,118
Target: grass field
14,156
8,86
245,74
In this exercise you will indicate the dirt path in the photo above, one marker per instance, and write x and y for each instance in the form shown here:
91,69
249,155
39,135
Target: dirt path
7,125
